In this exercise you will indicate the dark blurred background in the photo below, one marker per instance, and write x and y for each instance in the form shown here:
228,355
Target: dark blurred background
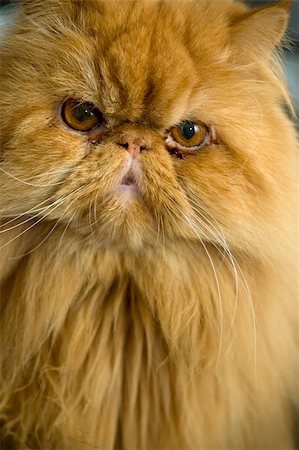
290,57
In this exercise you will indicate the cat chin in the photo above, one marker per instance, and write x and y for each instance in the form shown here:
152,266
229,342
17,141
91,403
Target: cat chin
128,218
121,220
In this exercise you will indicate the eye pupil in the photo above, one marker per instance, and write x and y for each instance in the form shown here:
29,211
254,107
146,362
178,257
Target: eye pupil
190,135
82,113
188,130
82,117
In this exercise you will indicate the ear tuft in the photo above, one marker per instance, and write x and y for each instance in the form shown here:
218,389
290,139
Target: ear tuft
262,29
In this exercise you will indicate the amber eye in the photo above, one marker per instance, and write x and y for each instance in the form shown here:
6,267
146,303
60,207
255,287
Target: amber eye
81,116
190,135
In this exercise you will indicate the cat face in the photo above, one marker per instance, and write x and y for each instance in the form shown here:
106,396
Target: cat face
142,122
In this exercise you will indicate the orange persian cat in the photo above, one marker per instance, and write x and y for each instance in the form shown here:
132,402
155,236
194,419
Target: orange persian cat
148,285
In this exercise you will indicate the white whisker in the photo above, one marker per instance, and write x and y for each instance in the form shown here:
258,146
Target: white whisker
65,230
50,232
218,234
236,268
27,183
59,201
187,219
25,213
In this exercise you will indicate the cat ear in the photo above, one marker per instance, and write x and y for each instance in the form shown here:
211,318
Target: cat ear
262,29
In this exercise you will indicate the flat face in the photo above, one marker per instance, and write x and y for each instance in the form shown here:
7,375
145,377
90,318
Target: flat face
138,122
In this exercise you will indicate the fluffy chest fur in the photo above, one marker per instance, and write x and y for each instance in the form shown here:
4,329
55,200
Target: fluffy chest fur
129,353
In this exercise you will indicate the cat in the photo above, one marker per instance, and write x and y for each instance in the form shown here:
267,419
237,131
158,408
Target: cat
148,212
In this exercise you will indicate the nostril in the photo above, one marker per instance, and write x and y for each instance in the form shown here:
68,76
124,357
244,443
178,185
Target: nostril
125,145
133,145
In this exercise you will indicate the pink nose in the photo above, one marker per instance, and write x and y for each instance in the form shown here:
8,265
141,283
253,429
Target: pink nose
133,145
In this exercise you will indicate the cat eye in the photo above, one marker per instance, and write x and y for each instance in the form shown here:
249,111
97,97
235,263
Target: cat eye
81,116
190,135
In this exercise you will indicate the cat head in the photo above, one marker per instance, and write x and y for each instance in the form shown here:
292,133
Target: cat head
141,122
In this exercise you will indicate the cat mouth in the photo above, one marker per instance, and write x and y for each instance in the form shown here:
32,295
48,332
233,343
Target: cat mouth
128,180
128,183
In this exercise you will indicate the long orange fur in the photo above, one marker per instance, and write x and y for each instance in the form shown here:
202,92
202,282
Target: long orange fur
166,320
